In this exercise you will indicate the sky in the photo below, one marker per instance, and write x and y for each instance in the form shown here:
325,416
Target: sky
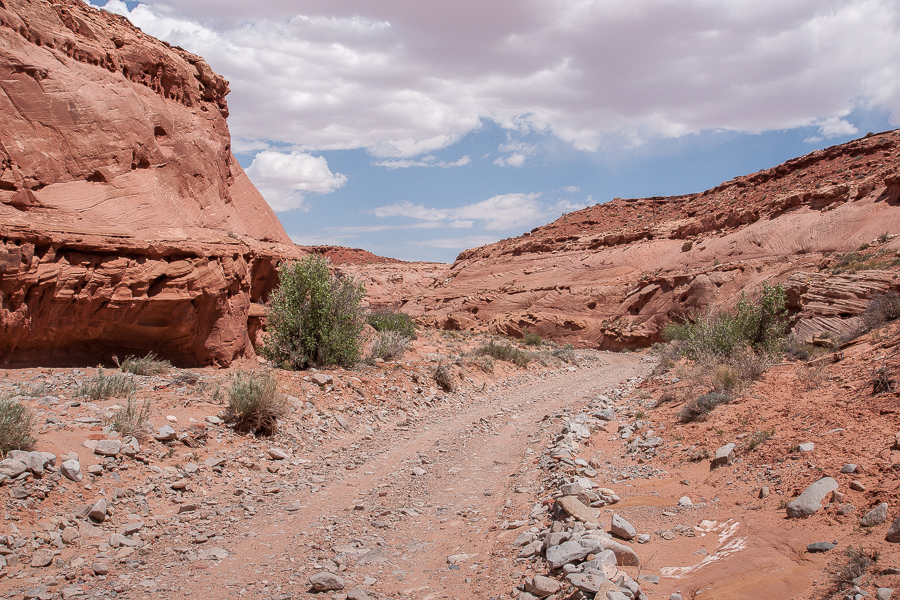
416,129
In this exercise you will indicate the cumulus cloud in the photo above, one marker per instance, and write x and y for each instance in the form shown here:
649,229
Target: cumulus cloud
832,127
404,79
498,213
285,178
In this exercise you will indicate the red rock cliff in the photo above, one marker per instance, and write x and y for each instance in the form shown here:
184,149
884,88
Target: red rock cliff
126,224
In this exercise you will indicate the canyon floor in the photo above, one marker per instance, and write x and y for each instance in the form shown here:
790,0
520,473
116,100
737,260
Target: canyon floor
405,491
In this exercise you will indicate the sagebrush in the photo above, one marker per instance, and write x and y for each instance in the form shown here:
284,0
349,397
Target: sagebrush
444,377
388,345
702,405
315,317
505,352
132,419
256,403
16,427
102,386
145,365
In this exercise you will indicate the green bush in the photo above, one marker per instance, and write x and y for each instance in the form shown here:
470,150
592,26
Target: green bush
760,325
315,318
16,427
147,365
256,403
531,339
386,319
102,386
505,352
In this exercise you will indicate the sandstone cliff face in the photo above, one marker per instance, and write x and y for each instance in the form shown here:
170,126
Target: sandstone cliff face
126,224
612,275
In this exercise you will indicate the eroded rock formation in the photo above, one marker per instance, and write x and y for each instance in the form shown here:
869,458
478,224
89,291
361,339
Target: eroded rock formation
612,275
126,224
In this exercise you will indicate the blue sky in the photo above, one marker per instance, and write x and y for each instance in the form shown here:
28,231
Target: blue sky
418,129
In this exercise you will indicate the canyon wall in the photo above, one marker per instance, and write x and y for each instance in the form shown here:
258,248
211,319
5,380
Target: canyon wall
126,224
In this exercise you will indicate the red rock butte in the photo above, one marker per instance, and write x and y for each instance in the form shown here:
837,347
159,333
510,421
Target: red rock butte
126,224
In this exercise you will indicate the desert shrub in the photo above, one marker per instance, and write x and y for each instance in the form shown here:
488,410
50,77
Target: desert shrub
565,354
16,427
131,420
701,406
386,319
485,363
256,403
388,345
759,324
147,365
444,377
797,349
315,318
881,309
858,562
667,355
505,352
531,339
102,386
725,379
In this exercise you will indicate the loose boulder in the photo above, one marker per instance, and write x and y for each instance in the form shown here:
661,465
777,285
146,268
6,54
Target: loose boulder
811,499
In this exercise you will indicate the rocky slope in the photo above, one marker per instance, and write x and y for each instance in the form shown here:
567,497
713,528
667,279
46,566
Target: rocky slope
126,224
612,275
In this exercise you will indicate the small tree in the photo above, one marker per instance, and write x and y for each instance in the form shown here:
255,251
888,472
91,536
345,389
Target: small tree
315,318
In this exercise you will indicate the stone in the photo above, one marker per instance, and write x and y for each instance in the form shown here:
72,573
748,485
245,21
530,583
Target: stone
807,447
98,511
575,508
622,528
605,414
108,447
724,456
131,447
625,556
643,538
12,468
811,499
71,469
100,568
846,509
42,558
541,586
589,584
820,547
213,553
893,533
876,516
39,592
685,502
565,553
532,549
321,379
884,593
857,486
848,468
358,594
277,454
69,535
326,582
165,434
764,492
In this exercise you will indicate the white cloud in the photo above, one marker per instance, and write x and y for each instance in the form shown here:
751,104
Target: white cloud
405,79
285,178
427,161
832,127
498,213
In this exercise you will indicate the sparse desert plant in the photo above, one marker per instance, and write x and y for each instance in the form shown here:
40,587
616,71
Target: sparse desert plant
131,420
702,405
485,363
315,318
725,379
881,309
388,345
505,352
102,386
16,426
443,377
883,379
760,437
256,403
858,562
811,377
530,338
386,319
146,365
565,354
